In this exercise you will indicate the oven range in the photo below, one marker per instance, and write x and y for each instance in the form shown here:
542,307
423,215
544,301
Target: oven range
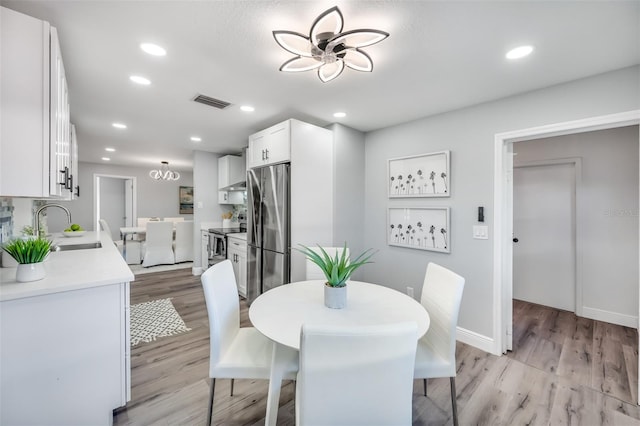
217,248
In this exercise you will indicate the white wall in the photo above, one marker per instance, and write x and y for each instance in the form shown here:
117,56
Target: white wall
155,198
349,190
609,191
205,194
469,134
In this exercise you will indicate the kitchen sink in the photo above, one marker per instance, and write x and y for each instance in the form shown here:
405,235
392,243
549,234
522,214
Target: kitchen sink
84,246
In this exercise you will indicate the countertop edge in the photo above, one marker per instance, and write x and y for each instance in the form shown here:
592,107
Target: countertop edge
71,270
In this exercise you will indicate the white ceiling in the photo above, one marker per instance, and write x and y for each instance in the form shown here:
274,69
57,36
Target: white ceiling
440,56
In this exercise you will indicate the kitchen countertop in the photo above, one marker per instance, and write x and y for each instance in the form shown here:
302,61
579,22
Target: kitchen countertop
71,270
238,236
204,226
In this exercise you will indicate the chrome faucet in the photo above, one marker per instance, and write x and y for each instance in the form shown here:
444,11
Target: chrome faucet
37,216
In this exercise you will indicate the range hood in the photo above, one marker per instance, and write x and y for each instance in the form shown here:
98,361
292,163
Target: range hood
238,186
232,173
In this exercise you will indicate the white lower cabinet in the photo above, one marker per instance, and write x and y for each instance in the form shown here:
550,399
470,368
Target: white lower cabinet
237,253
65,357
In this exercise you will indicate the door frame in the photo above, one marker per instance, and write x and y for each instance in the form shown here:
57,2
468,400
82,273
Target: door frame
96,196
577,230
503,207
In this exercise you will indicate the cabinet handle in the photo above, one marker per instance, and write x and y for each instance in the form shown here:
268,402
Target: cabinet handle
77,190
65,177
263,157
69,184
267,154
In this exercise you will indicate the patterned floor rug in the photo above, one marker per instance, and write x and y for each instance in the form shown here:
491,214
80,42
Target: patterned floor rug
154,319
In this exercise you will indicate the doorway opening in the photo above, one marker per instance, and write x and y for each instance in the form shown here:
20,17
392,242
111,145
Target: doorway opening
503,210
115,200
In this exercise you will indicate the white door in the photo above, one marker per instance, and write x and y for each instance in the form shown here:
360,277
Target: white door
112,205
544,218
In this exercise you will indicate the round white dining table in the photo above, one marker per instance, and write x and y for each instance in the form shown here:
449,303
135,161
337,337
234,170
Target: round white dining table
280,312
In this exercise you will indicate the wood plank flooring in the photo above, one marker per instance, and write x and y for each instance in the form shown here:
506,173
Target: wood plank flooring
564,370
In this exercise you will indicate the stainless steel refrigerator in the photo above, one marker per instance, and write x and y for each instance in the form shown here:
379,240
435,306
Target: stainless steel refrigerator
268,229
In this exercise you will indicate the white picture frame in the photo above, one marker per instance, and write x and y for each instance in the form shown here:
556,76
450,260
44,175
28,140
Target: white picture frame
424,175
422,228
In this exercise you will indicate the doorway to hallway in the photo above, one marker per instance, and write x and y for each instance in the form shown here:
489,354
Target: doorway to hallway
115,201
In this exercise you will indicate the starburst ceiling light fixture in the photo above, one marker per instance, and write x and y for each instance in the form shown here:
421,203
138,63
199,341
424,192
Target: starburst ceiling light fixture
327,48
164,173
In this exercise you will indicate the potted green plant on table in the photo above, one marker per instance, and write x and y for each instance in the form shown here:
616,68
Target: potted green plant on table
29,253
337,270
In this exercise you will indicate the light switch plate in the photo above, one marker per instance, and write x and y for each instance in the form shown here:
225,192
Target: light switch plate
481,232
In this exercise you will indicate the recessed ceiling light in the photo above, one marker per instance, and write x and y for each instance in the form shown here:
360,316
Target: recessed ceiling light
153,49
196,138
119,125
140,80
339,114
519,52
247,108
106,159
110,149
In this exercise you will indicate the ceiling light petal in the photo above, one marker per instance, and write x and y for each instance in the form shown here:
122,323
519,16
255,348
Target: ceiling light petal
293,42
330,21
359,38
358,60
299,64
328,72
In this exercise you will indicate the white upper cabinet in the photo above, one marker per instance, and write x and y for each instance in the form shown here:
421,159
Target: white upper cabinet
231,171
35,135
74,182
270,146
60,127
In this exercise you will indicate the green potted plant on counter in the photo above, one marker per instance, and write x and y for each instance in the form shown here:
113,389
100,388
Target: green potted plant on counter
337,270
30,255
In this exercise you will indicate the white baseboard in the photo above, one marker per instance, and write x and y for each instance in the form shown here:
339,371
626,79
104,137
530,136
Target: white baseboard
196,270
474,339
611,317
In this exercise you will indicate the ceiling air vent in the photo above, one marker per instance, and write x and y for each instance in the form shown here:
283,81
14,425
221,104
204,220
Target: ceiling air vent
213,102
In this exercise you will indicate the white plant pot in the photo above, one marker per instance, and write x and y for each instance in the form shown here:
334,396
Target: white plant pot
30,272
335,297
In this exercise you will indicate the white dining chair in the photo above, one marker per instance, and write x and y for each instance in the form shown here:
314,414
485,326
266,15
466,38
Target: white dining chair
436,354
313,271
158,246
174,219
356,375
104,225
235,352
183,244
133,247
142,221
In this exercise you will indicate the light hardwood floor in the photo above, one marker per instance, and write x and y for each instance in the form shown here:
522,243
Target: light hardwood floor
564,370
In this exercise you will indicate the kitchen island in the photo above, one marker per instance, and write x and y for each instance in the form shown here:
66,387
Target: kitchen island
65,352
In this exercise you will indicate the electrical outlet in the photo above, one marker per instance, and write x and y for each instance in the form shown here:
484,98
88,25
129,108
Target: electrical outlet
410,291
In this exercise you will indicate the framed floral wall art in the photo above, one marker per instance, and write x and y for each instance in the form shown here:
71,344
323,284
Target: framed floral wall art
425,175
423,228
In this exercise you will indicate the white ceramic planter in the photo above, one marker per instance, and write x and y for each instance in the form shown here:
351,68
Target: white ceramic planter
335,297
30,272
